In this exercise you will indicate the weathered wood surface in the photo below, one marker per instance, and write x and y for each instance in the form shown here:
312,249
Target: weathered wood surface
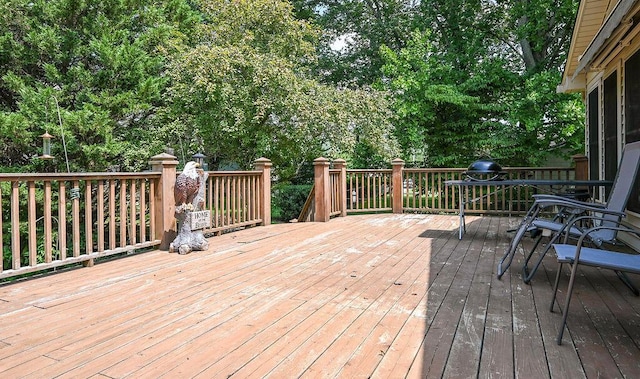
382,296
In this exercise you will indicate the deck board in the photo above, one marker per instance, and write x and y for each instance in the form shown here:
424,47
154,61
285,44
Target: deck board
464,357
380,296
497,350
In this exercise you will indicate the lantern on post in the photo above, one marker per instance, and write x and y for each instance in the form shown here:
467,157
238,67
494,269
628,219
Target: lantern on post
199,158
46,146
46,139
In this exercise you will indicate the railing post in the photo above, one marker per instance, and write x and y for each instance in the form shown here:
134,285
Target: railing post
341,164
322,189
581,163
581,172
264,165
163,198
397,183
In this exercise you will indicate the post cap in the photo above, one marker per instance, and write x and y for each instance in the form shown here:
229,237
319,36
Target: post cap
320,160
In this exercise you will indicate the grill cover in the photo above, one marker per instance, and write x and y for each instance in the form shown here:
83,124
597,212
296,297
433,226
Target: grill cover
484,169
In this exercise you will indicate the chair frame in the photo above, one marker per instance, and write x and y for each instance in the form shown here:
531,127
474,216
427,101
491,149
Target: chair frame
569,228
614,264
612,212
573,209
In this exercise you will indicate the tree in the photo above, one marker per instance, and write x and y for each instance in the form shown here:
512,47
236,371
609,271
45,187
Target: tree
480,80
99,65
353,32
445,117
553,122
246,90
531,39
486,85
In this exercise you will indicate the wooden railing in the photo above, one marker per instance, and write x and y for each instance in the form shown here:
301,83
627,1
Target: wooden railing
368,190
419,190
337,200
424,190
52,220
234,199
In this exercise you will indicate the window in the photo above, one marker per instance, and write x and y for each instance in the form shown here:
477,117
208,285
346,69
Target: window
632,116
610,102
594,156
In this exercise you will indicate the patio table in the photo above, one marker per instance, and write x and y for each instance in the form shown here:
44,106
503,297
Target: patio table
552,186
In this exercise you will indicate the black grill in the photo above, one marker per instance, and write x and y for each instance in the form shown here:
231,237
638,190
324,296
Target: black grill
484,170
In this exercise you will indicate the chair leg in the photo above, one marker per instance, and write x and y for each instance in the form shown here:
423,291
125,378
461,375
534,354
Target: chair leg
555,287
535,246
527,274
565,311
515,241
627,282
510,253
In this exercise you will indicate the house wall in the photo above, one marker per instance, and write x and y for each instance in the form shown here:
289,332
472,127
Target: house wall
615,126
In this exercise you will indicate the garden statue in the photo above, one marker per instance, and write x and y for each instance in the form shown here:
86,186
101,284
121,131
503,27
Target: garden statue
189,193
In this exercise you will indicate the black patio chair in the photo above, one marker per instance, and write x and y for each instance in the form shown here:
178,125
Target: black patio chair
576,255
569,210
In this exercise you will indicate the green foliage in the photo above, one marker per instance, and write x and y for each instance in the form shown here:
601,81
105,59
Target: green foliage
91,72
118,81
477,78
445,117
245,91
517,48
353,32
544,121
543,29
289,199
366,156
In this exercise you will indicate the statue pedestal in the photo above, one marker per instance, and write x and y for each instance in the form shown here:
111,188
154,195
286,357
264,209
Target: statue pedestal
190,236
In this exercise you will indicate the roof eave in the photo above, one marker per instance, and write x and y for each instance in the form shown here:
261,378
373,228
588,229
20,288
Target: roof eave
572,85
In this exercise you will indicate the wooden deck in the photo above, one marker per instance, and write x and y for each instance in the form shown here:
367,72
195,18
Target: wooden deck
363,296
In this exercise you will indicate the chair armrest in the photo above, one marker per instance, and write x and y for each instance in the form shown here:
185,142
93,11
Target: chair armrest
596,228
572,224
597,217
549,197
544,201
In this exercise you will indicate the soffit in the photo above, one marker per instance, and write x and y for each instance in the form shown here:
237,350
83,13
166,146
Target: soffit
595,21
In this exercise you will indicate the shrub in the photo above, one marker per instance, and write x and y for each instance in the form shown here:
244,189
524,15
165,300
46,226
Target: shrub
288,200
